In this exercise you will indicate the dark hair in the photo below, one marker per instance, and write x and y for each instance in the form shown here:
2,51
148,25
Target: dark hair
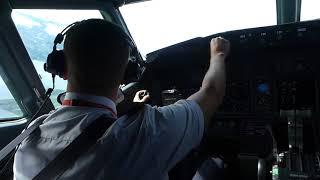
96,54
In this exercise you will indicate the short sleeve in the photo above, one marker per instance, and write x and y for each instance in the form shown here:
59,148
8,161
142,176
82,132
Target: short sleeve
177,129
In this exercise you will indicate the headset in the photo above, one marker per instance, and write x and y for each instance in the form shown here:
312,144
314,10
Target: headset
56,62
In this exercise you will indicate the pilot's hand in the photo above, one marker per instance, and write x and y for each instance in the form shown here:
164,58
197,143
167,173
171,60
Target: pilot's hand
219,47
141,96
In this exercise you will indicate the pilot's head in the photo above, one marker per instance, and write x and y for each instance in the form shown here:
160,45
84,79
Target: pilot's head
96,54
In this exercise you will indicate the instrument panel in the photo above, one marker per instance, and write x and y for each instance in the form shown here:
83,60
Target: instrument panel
258,96
265,68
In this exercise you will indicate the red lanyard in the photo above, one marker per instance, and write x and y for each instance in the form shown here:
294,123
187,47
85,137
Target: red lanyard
78,102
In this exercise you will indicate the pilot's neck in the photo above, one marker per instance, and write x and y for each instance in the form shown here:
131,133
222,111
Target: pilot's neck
112,95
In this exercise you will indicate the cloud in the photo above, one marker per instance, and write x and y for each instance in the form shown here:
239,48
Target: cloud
63,17
53,29
54,20
20,19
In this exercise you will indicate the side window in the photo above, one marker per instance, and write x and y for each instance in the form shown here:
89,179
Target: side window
9,108
38,28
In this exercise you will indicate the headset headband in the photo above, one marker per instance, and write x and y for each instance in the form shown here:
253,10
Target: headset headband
59,38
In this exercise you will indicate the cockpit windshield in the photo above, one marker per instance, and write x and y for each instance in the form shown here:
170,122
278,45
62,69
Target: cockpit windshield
310,10
38,28
160,23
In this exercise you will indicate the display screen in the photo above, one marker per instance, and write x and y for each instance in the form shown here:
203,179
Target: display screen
170,96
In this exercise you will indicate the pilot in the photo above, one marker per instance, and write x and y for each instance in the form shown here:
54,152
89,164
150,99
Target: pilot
145,145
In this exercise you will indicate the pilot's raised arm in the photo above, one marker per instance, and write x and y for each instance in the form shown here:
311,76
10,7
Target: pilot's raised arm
210,96
175,129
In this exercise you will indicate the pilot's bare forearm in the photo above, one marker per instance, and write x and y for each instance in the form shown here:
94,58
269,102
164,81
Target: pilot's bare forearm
211,93
214,80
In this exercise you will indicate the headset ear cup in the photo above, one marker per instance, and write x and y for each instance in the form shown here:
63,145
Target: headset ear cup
48,66
56,63
60,63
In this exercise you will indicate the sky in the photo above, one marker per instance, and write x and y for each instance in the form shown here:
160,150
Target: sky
160,23
310,9
56,19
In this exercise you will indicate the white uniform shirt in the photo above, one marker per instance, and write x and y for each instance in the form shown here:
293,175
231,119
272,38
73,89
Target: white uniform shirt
143,146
